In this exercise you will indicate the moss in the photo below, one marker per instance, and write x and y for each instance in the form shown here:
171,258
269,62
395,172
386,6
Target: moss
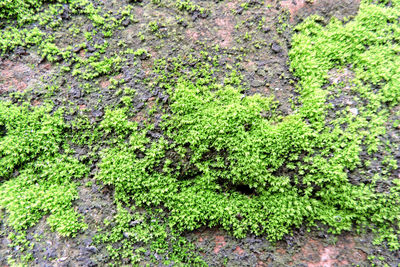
21,9
296,167
220,157
37,179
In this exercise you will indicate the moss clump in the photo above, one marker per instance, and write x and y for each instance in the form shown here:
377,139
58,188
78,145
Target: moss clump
36,179
22,9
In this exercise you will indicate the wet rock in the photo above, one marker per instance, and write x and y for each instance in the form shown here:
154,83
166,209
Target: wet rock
50,253
139,106
126,22
29,237
276,47
257,83
159,95
99,38
321,234
158,257
98,113
77,49
95,189
6,242
127,76
157,121
141,75
66,12
90,48
154,135
69,118
240,10
20,51
83,209
80,152
89,27
261,72
264,256
144,56
75,92
354,111
97,206
91,249
133,223
89,263
15,173
165,98
64,264
143,98
87,241
266,29
204,15
195,15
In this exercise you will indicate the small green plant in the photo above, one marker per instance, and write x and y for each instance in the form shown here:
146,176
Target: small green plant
247,37
21,9
153,25
141,36
142,52
187,5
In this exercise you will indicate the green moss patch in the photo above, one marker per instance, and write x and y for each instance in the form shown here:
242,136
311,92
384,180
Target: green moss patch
37,179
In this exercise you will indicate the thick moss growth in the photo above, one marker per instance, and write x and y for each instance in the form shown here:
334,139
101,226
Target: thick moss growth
295,167
37,179
21,9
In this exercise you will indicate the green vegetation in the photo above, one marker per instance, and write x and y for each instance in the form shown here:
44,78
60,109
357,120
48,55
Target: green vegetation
295,170
187,5
221,156
37,179
21,9
132,228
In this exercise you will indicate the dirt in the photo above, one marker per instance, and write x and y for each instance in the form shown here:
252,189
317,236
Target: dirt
314,249
263,62
300,9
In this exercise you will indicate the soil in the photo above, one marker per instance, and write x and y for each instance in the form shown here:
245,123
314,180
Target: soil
263,61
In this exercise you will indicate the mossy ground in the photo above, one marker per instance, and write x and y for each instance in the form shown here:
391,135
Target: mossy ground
199,133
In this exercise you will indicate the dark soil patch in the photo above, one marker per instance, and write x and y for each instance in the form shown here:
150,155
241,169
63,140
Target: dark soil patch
300,9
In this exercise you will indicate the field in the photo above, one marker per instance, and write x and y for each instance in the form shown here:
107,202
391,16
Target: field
199,133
